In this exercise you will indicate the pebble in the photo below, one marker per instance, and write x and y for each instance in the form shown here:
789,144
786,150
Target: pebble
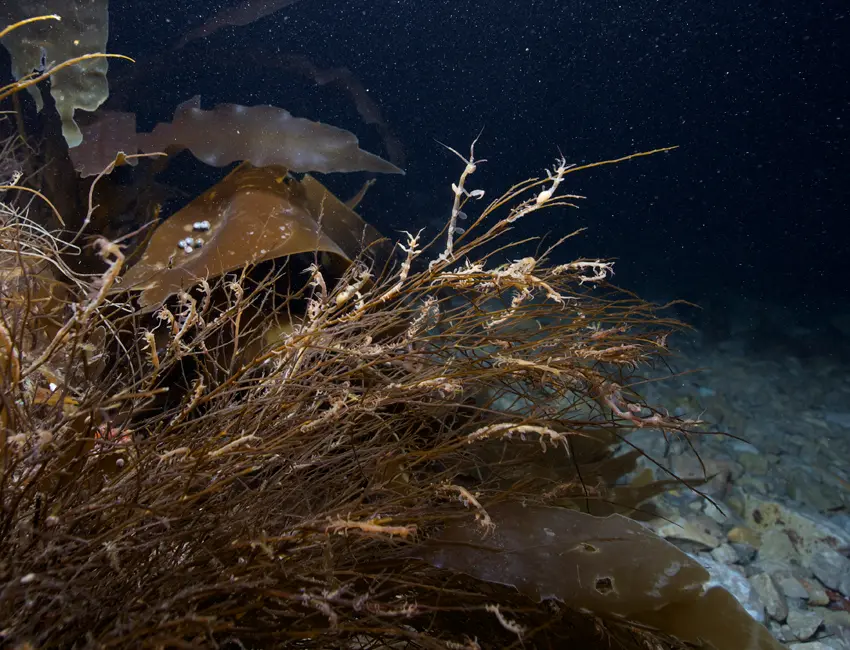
774,601
702,531
793,588
804,624
777,551
743,535
782,490
817,594
834,616
818,645
832,569
721,516
746,552
753,463
725,554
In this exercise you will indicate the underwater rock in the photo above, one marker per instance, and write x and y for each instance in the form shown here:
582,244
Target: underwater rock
811,532
777,552
817,645
804,624
736,584
793,588
700,530
744,535
725,554
832,569
774,601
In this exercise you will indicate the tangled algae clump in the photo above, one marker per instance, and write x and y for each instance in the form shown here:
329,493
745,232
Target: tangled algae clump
340,448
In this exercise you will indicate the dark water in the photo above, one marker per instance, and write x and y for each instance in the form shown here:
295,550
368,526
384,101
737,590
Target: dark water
753,206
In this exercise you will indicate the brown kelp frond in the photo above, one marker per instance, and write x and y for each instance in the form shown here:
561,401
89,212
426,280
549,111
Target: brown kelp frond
71,40
272,455
262,135
240,15
252,215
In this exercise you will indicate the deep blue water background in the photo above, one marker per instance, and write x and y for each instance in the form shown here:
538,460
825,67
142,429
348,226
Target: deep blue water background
753,205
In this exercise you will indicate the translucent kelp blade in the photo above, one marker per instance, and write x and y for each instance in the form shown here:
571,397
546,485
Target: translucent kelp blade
261,135
252,215
715,617
105,135
611,566
338,221
242,14
83,29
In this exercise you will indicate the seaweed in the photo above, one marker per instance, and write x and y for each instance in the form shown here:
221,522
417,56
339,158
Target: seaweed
244,13
252,215
199,452
262,135
612,566
83,30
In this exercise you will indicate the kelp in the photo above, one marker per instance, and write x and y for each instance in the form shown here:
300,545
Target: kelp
244,13
81,28
106,134
262,135
284,494
610,566
252,215
344,79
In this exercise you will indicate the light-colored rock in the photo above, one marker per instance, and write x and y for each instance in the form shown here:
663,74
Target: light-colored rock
735,583
688,466
725,554
793,588
811,533
720,515
780,632
743,535
774,601
700,530
833,616
804,624
746,552
830,567
777,552
753,463
817,594
829,644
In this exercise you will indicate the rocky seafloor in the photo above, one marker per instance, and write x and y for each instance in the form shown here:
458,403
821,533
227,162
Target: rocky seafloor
778,533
